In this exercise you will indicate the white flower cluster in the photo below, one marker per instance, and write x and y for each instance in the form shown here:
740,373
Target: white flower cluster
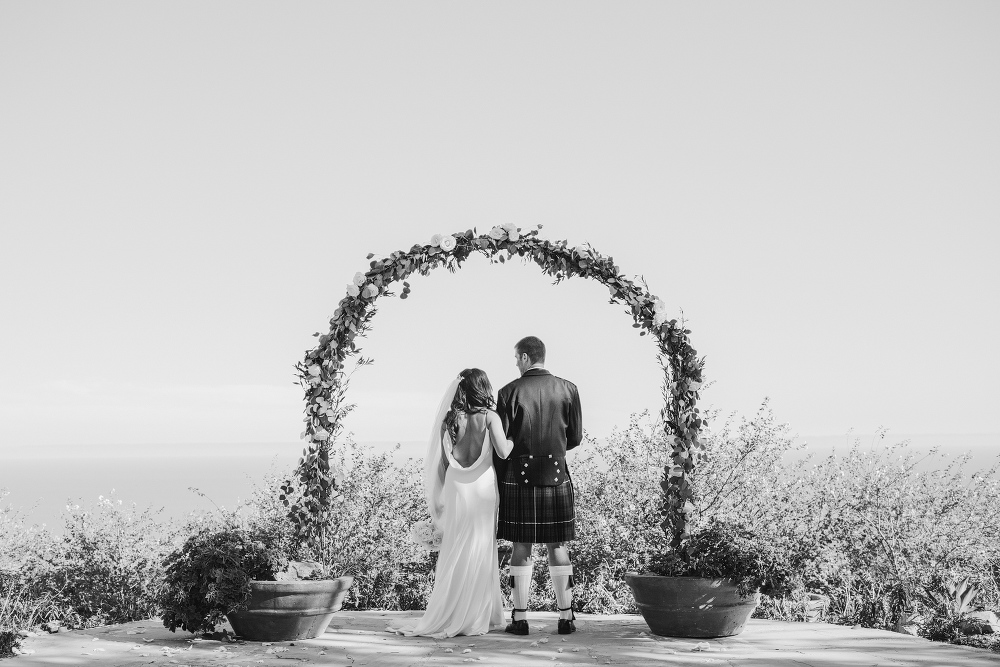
659,313
508,229
354,288
427,535
446,242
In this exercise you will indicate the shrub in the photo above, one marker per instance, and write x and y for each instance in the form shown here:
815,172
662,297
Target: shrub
724,550
737,527
895,522
618,501
107,565
369,530
104,568
18,608
209,576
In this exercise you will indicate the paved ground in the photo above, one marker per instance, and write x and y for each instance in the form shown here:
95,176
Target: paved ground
360,638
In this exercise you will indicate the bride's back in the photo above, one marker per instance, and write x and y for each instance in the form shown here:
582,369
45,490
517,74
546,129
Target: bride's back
471,435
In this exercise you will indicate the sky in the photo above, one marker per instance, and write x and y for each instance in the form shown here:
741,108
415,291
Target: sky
186,188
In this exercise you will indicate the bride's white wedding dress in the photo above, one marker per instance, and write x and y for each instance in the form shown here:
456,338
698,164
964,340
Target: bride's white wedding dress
466,598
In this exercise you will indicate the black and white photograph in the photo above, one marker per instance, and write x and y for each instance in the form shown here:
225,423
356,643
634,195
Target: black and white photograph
367,332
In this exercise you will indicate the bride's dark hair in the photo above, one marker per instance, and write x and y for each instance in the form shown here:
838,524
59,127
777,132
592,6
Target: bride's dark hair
474,394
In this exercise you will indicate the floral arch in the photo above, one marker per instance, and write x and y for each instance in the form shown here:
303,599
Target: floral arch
324,380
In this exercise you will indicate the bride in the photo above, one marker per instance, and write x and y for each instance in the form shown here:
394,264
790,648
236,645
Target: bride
461,490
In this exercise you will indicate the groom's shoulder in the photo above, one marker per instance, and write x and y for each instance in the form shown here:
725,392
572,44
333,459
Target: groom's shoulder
564,382
548,378
509,387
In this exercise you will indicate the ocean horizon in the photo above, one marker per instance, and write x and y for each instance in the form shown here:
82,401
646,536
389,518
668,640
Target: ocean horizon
179,479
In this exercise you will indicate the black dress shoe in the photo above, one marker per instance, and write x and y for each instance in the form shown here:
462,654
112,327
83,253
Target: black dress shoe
517,627
566,625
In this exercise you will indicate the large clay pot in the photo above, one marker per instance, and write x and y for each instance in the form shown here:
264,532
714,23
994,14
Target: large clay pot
285,610
691,606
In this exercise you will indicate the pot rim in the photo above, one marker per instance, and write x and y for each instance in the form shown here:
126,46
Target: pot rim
670,576
337,582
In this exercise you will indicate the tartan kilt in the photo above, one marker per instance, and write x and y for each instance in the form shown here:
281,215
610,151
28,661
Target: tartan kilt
536,514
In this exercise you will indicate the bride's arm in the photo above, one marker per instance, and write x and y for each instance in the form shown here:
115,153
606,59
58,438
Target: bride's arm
501,444
446,446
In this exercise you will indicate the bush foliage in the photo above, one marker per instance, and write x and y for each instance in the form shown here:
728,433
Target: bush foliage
870,532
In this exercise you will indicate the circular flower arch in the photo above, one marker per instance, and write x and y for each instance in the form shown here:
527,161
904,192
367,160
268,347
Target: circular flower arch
324,379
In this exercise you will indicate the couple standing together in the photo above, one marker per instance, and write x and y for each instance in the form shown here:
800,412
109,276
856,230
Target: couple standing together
500,472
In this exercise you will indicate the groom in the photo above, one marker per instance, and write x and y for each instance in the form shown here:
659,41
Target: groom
541,414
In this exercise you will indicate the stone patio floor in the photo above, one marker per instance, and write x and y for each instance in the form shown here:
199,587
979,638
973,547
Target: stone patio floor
360,638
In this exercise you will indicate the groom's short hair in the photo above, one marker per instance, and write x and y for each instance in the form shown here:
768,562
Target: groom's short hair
533,347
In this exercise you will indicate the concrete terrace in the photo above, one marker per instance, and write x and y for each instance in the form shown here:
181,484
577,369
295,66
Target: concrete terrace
358,639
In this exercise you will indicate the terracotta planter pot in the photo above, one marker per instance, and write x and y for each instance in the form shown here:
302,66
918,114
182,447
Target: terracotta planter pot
691,606
285,610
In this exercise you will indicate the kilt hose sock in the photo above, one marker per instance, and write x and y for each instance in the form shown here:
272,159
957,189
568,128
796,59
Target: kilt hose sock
520,583
562,584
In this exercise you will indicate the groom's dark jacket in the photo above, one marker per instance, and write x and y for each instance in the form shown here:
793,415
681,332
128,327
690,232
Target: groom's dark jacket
541,414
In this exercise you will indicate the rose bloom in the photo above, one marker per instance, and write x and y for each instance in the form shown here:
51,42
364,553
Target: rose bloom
448,243
359,279
352,290
370,291
436,240
497,233
581,250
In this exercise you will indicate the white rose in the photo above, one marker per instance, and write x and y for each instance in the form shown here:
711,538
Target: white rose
448,243
352,290
370,291
436,240
497,233
321,435
314,370
659,306
359,279
514,235
581,250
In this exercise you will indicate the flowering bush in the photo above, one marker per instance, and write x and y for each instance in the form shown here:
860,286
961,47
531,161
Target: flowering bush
893,523
104,568
378,501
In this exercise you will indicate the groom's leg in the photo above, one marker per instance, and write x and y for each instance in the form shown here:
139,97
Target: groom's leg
561,572
521,553
520,574
558,553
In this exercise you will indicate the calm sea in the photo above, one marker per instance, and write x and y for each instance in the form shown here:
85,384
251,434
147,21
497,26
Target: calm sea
175,479
180,479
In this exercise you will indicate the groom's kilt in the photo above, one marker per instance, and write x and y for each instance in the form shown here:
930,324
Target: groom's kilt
535,514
